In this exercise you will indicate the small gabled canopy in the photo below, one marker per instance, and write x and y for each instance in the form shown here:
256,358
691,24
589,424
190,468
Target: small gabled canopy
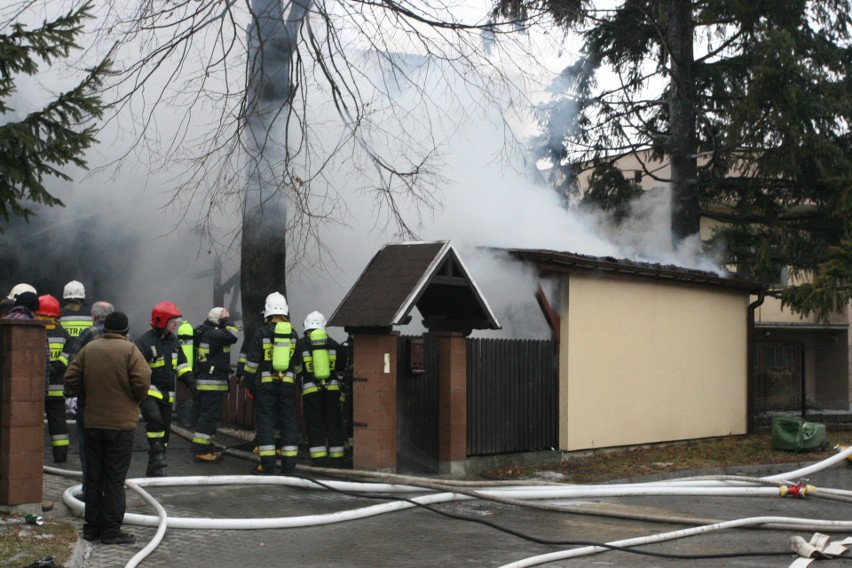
427,275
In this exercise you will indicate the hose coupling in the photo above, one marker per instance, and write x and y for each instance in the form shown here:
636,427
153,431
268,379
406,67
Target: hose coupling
799,490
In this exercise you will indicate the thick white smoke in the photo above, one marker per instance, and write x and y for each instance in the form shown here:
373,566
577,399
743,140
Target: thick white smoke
146,250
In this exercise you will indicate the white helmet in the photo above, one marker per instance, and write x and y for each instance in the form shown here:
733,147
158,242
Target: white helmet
315,320
215,315
20,289
276,305
74,291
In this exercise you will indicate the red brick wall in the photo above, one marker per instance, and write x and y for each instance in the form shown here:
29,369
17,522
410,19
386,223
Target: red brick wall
22,346
374,402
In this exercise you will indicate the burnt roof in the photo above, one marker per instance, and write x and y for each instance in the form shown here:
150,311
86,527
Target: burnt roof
558,261
427,275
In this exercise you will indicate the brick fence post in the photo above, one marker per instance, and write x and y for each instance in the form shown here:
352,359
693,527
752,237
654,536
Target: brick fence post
374,402
22,390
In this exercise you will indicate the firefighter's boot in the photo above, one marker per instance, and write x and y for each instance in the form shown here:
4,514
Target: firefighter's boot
60,454
288,465
320,461
266,467
157,465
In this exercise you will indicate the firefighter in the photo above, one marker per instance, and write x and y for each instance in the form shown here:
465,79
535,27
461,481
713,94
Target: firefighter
7,303
59,343
270,376
322,363
241,379
214,338
161,349
73,317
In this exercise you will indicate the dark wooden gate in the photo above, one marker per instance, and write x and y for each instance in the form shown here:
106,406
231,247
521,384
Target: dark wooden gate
512,399
512,396
417,405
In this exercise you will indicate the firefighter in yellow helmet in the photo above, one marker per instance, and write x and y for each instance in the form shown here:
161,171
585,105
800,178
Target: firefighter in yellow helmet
162,350
272,363
59,343
322,363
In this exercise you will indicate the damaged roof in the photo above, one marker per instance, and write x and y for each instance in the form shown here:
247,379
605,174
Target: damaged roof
557,261
427,275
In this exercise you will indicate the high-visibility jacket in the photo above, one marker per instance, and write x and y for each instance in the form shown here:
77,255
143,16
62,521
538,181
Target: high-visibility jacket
58,342
213,355
167,361
320,346
74,318
258,367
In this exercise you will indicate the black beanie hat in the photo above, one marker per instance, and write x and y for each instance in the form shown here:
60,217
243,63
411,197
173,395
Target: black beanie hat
116,322
27,300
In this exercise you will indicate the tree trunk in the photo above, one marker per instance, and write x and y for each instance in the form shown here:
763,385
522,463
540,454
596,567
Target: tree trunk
686,212
269,84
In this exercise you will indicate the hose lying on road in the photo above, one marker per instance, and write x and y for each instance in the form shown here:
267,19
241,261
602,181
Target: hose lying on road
448,491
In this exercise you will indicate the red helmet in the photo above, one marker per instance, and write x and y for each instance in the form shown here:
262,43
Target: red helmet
162,313
48,306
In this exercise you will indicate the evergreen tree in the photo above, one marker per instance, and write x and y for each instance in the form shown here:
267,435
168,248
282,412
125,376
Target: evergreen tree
758,90
37,146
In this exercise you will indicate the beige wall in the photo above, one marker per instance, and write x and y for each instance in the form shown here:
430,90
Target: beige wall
643,362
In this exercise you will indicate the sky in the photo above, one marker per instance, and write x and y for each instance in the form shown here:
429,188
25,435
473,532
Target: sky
120,236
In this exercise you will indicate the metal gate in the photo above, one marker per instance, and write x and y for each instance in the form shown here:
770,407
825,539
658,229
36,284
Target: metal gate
778,376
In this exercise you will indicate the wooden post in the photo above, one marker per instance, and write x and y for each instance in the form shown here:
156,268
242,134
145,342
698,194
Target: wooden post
452,403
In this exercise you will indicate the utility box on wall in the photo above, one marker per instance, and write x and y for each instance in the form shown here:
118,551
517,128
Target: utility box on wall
416,355
22,360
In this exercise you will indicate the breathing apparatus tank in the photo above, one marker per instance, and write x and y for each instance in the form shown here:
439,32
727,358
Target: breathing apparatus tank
281,346
319,354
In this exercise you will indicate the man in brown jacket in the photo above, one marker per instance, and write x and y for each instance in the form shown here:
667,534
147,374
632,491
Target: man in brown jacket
114,377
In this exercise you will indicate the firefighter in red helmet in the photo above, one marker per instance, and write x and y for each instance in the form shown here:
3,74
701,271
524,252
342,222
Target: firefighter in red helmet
59,343
162,350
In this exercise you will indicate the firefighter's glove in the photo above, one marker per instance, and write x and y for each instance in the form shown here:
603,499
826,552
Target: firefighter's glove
189,381
248,384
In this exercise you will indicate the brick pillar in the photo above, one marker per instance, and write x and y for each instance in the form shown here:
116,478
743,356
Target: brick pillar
452,403
22,347
374,402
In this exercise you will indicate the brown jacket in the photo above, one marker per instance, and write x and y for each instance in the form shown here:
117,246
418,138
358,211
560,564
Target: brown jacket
114,377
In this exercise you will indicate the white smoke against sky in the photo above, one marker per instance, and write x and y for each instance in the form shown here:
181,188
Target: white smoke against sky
489,199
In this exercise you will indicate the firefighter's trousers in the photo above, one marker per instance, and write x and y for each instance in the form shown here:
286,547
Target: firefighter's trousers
57,426
275,406
209,415
324,422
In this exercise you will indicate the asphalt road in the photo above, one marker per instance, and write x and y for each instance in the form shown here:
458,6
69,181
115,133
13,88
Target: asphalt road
463,533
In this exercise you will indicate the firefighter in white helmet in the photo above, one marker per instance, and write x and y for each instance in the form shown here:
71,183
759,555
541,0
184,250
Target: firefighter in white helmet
213,340
272,363
322,363
7,303
72,316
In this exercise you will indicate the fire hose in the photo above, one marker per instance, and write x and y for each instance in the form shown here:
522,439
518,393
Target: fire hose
513,494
